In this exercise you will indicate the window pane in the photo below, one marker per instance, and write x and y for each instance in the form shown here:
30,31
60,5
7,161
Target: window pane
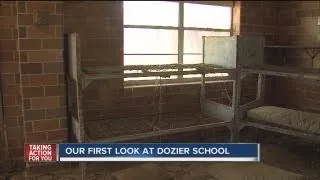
192,59
153,13
207,16
193,40
150,41
148,60
196,59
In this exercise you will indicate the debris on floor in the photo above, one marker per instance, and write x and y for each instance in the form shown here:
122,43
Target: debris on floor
143,172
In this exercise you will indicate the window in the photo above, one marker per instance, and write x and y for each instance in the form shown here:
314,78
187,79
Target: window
164,32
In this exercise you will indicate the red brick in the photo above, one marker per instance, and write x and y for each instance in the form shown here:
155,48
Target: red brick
23,56
9,100
15,143
25,19
43,79
59,8
8,45
7,57
11,121
6,33
45,102
5,10
16,152
21,7
35,114
53,67
8,21
42,56
29,92
56,113
14,33
33,6
63,123
29,126
61,79
11,90
26,104
56,20
57,135
40,32
55,90
36,137
31,68
62,101
25,80
44,125
15,132
30,44
59,32
22,32
9,67
52,44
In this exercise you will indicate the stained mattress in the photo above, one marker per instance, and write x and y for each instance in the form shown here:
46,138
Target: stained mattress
304,121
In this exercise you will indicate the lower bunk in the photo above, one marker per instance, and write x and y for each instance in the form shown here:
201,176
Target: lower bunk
132,128
285,121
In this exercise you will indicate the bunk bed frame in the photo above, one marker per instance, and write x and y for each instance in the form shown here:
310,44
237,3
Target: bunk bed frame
237,55
262,71
79,78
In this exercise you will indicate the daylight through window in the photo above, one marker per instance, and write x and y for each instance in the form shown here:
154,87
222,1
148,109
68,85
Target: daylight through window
163,32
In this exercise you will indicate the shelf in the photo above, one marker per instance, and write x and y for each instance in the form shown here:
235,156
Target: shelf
293,47
284,71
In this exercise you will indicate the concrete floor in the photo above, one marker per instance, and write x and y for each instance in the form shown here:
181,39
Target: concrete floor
284,153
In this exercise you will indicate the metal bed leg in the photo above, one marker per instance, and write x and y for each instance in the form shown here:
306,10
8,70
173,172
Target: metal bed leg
234,134
83,169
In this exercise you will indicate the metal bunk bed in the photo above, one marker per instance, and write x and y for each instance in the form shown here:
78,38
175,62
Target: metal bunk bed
220,55
213,114
271,118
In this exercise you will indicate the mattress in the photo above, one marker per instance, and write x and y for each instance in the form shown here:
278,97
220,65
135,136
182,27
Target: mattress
304,121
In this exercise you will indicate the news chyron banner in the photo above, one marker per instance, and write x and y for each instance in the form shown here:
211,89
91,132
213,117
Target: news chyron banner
244,152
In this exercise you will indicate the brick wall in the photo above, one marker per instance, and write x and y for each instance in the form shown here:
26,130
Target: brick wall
298,27
13,136
32,74
259,18
42,71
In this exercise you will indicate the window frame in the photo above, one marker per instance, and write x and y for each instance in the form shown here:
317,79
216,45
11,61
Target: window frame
181,53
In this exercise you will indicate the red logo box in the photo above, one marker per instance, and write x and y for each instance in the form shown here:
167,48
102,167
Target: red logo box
40,152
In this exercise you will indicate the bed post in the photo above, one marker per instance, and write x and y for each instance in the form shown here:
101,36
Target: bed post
203,79
236,105
77,98
261,88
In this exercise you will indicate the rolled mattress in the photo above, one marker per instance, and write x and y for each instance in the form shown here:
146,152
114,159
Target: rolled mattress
305,121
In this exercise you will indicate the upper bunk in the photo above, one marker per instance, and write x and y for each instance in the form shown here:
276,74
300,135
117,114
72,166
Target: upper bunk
164,70
294,72
220,55
286,71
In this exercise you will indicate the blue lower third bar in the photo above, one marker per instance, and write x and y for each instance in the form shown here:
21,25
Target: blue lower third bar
249,152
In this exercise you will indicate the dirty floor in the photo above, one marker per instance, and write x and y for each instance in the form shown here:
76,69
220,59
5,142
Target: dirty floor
284,160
